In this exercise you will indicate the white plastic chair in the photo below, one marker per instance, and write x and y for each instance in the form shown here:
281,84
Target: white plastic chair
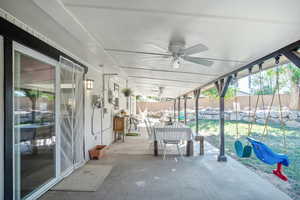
178,144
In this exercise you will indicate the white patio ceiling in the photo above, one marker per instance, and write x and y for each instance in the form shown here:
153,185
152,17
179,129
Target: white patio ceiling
234,31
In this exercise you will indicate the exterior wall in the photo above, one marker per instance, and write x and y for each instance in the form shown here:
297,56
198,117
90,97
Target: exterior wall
107,124
94,73
1,121
91,140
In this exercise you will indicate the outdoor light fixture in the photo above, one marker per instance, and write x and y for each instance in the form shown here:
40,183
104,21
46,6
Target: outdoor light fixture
89,84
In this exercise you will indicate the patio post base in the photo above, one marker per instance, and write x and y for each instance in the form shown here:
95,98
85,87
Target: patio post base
222,158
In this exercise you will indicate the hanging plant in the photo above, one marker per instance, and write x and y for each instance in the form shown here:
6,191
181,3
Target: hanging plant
127,92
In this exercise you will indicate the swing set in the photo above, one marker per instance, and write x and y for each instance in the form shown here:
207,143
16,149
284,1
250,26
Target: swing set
261,150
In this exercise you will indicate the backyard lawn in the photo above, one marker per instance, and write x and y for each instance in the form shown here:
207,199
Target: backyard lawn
274,139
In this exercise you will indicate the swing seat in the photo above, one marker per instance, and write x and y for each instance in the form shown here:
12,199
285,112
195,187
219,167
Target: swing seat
242,151
266,155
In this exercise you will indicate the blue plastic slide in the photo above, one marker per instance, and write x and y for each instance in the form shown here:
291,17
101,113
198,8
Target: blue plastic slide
266,155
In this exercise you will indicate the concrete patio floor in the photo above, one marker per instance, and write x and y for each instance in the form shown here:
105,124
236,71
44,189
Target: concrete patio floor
137,176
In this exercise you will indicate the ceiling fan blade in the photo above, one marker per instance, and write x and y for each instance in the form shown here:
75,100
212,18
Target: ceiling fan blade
197,60
156,47
137,52
194,49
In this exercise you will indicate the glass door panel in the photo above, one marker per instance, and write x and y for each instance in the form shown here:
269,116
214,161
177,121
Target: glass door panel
34,123
71,115
78,133
66,115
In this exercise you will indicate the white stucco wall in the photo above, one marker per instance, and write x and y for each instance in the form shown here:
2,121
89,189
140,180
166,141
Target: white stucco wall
1,121
92,140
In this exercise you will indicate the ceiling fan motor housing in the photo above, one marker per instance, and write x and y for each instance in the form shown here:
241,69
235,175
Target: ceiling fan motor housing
176,47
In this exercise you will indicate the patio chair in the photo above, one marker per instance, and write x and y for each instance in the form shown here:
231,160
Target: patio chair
178,144
149,132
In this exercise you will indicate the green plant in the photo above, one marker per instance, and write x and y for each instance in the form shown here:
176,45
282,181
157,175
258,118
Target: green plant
212,92
127,92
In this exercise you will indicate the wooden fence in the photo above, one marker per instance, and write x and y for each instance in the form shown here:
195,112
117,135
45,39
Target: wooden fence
205,102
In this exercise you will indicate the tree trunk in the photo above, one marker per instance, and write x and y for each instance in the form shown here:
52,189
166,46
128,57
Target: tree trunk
33,108
295,94
295,97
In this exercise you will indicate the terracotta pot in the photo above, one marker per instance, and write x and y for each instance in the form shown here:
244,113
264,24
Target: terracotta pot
97,152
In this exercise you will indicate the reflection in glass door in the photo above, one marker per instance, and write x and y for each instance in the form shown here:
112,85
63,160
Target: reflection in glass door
34,121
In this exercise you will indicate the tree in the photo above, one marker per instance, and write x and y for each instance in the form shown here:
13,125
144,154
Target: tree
289,81
33,95
294,74
213,92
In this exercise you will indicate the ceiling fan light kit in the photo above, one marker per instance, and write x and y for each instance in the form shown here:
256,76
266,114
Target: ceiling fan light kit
179,53
176,62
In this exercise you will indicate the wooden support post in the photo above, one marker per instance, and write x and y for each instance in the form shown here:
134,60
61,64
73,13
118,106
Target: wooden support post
222,86
185,118
196,96
222,156
178,109
201,140
174,110
155,148
198,137
189,148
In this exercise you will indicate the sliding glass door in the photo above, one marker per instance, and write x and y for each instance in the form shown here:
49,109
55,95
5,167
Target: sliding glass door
34,121
48,120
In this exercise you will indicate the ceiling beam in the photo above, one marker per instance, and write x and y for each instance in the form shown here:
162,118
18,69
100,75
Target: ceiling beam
150,85
160,79
168,71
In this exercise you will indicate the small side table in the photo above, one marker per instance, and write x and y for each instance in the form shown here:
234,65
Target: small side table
119,127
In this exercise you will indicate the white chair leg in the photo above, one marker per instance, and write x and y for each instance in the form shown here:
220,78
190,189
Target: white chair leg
161,144
177,145
180,151
165,151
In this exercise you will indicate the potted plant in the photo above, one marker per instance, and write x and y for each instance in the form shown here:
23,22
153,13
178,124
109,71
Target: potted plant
127,93
97,152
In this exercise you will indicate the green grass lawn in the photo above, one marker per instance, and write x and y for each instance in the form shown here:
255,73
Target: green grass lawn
274,139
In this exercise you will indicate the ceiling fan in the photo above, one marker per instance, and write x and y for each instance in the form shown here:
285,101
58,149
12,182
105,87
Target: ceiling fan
177,52
159,90
180,53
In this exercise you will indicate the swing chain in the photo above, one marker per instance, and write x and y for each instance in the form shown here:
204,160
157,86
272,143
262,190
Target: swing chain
236,107
249,99
250,125
279,100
